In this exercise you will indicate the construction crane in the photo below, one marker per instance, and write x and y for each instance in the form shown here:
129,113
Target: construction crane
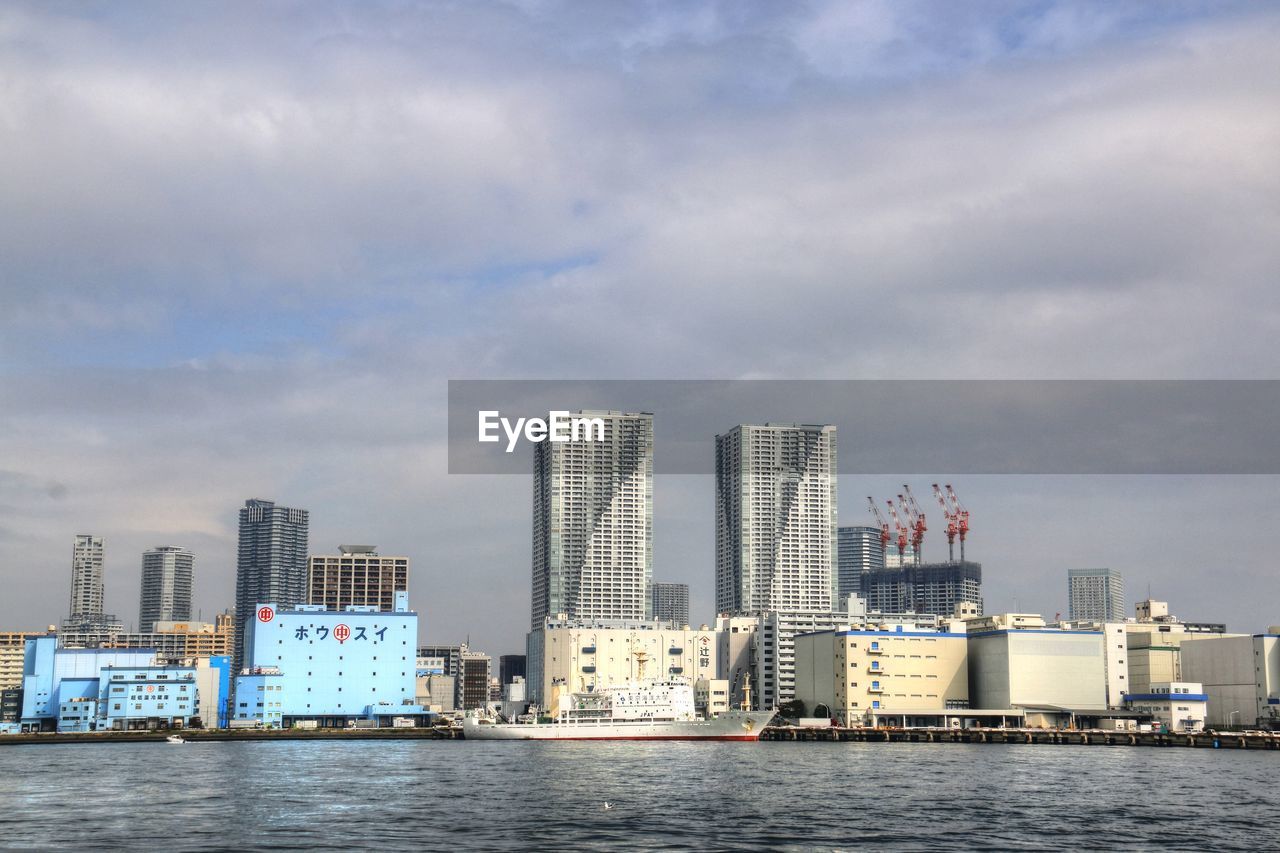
885,536
903,531
915,518
957,517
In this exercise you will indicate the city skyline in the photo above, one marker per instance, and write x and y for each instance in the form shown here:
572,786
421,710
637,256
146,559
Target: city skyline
1036,191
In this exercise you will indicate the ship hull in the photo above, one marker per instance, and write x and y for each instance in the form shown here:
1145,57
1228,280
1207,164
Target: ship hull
734,725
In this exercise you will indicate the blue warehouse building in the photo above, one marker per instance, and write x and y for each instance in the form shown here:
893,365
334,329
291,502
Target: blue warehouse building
85,690
328,666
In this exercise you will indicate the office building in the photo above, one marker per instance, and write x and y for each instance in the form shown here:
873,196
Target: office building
580,656
332,667
859,550
167,577
511,667
1096,595
776,519
474,676
925,588
356,575
1036,668
11,705
593,522
271,563
862,677
670,602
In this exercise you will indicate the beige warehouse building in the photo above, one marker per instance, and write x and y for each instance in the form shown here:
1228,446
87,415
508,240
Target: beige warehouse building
1037,668
590,655
861,676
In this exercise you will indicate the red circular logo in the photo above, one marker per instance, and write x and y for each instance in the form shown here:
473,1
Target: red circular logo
266,614
341,633
151,688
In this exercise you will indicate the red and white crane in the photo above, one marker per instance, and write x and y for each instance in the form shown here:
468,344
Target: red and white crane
885,536
915,519
904,531
957,518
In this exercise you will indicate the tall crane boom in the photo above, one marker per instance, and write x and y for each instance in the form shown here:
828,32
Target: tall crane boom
885,536
916,518
953,526
962,517
903,531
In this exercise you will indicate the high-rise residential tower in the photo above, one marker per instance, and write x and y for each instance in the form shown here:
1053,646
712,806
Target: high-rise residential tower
167,577
861,550
670,602
1096,595
88,588
356,575
271,566
776,519
593,521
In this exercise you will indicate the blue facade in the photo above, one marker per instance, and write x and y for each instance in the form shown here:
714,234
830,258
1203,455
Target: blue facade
78,715
129,697
51,676
259,697
332,664
222,663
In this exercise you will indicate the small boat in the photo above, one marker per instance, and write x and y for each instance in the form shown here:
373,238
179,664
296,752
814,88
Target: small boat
174,739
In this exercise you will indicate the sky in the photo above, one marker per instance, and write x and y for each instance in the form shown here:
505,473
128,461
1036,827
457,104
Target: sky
246,245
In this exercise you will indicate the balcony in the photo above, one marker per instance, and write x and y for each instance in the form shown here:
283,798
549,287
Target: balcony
875,650
875,688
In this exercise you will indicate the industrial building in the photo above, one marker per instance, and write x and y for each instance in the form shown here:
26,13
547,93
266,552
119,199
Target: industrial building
588,655
510,667
327,666
1240,674
1037,668
858,677
593,522
1179,705
356,575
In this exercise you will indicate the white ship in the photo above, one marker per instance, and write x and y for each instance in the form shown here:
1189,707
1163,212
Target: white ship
642,710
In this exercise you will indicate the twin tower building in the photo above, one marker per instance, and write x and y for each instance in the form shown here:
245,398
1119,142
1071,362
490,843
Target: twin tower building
776,521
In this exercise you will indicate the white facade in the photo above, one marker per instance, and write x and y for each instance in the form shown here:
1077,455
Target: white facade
776,537
592,655
1180,705
1037,668
593,522
87,584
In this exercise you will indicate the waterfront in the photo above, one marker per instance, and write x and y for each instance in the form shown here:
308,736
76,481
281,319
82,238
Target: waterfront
514,795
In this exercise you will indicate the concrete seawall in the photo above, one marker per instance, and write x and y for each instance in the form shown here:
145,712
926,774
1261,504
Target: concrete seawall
1203,740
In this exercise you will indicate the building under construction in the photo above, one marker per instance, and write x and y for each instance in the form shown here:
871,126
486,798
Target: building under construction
924,588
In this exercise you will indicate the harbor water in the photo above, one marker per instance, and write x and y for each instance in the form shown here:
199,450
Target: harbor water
439,795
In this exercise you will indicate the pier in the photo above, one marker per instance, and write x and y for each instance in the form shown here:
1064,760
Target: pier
1076,737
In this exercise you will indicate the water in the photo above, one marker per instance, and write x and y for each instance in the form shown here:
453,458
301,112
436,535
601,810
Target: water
693,796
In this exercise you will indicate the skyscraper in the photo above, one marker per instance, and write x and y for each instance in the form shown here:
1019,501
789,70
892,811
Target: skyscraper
271,566
167,577
356,575
593,522
860,550
87,584
1096,595
670,602
776,519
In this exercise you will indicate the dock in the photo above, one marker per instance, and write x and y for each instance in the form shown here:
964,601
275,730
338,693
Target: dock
1076,737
